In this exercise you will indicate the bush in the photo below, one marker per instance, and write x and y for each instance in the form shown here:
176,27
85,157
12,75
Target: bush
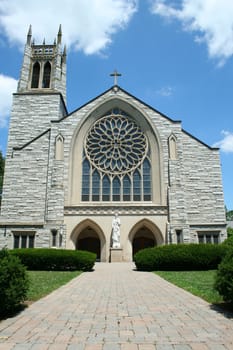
229,232
224,278
14,283
228,241
55,259
180,257
3,253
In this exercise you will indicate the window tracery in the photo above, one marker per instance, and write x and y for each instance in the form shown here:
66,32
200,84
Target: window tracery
116,160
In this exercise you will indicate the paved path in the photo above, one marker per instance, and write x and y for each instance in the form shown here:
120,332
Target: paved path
115,307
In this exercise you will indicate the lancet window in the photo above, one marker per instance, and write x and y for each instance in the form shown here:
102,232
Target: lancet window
46,75
35,75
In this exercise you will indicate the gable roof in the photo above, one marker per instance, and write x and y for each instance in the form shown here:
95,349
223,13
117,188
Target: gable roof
117,88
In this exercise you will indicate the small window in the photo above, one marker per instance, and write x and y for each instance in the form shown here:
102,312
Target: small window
16,241
54,237
31,242
201,238
208,237
24,240
179,236
216,239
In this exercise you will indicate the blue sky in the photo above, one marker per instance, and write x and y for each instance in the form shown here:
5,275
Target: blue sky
176,56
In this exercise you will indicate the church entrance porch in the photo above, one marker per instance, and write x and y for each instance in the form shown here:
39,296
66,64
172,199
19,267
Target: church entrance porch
88,235
144,238
144,234
89,240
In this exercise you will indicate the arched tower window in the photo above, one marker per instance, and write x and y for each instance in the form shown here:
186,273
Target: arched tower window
35,75
116,160
46,75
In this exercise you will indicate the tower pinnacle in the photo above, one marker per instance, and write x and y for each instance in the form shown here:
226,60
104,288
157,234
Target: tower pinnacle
29,36
59,35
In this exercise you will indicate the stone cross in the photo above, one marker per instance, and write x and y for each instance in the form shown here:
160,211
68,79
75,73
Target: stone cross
115,74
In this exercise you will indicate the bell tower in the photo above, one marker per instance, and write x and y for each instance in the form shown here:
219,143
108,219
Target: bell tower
44,67
41,92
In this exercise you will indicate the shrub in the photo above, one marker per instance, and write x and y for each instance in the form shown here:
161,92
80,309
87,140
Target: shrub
180,257
230,232
55,259
224,278
228,241
14,283
3,253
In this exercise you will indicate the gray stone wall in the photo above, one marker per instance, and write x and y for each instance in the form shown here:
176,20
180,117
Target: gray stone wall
203,183
25,183
31,115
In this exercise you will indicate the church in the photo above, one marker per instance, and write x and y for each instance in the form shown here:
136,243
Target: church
70,177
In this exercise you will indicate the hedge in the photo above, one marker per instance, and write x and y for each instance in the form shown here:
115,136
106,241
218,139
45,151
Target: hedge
55,259
229,241
14,283
224,278
180,257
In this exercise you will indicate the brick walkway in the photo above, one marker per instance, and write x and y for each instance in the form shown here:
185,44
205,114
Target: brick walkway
115,307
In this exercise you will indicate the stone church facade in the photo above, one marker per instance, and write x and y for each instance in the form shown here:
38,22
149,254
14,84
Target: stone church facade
68,174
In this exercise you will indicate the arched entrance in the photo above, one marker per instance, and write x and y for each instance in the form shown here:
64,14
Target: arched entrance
143,238
144,234
89,240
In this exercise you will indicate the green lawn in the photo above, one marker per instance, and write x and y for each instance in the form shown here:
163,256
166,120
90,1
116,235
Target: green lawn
199,283
44,282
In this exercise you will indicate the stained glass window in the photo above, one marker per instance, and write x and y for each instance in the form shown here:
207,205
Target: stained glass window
116,160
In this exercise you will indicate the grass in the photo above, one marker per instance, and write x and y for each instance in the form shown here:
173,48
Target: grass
44,282
200,283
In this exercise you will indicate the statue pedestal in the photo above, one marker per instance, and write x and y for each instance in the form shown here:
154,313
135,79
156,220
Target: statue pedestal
116,255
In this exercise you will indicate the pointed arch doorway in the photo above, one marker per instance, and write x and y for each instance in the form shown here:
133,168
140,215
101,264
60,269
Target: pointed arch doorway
144,234
143,238
89,240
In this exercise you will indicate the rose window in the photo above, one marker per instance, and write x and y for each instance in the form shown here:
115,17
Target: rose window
115,144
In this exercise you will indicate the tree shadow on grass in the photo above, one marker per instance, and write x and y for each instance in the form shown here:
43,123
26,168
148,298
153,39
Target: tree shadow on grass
225,309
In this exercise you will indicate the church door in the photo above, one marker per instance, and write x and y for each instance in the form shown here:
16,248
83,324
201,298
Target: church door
89,240
144,238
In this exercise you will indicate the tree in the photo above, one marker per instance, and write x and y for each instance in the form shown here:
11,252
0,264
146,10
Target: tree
229,215
2,164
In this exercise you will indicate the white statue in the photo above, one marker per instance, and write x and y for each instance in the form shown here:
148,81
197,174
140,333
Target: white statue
116,232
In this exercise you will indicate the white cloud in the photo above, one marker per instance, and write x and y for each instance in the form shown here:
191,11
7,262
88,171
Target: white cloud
88,25
165,91
211,20
226,144
8,85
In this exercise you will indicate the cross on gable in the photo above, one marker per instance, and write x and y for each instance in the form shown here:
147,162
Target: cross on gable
115,74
